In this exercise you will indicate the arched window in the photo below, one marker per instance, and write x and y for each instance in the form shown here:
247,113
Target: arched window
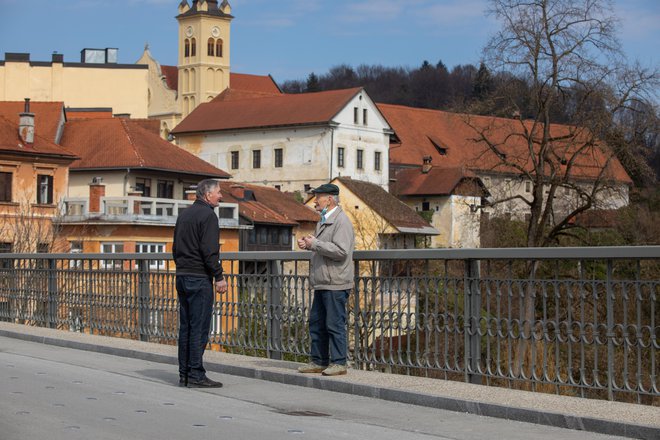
186,50
210,47
186,80
193,47
193,80
218,48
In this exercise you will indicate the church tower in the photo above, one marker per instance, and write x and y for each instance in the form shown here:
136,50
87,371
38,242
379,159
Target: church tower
204,42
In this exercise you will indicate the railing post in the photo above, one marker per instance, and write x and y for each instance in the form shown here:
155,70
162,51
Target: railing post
472,315
143,299
274,310
356,316
52,293
610,332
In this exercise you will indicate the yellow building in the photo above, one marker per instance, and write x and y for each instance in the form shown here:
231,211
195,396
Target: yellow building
380,220
96,81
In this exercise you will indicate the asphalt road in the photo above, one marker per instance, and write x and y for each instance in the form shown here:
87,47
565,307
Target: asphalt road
49,392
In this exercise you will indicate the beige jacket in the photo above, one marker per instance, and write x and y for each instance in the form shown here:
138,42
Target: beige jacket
331,266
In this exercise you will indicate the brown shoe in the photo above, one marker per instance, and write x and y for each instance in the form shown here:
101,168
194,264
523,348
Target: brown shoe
311,368
335,370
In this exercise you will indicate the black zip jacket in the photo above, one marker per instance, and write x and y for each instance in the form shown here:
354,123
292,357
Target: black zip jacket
196,246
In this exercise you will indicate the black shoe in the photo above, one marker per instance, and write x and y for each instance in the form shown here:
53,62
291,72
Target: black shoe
204,383
183,380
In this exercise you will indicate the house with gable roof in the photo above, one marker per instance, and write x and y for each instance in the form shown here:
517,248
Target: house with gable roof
449,142
293,142
380,220
33,174
127,187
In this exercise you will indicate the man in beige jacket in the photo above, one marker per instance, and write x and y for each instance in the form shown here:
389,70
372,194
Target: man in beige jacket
331,276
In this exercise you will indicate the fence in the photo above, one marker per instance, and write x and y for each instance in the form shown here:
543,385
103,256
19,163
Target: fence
576,321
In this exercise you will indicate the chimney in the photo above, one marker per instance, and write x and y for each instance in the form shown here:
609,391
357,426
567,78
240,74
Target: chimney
237,192
26,124
426,166
96,191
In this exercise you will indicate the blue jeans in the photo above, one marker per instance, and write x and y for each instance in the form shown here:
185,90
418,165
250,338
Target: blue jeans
195,311
327,327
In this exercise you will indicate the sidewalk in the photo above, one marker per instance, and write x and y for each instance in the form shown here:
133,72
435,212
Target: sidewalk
614,418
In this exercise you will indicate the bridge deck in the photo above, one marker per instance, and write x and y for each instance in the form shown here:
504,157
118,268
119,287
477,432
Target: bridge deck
66,392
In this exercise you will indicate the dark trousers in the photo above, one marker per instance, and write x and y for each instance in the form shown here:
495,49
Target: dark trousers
195,311
327,327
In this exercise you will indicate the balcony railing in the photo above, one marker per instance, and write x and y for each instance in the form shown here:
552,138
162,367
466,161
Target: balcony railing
140,209
575,321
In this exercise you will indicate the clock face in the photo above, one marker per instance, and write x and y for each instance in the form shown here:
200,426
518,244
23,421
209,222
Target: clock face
215,31
189,31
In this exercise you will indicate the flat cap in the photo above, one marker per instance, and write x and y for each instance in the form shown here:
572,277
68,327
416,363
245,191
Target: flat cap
326,188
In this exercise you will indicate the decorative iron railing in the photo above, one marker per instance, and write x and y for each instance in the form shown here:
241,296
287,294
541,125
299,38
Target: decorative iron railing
577,321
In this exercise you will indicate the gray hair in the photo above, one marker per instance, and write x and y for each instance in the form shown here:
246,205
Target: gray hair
336,197
206,186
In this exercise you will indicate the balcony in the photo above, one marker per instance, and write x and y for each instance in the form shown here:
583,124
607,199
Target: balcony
139,210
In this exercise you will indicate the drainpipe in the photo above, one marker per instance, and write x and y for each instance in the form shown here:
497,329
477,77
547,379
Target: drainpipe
332,151
128,171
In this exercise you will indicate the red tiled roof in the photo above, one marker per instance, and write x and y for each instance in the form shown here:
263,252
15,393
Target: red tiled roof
412,181
424,132
171,74
254,83
269,205
152,125
275,111
84,114
10,142
124,143
48,116
238,81
232,94
385,204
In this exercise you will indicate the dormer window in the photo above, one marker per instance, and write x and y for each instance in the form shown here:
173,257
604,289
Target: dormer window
439,146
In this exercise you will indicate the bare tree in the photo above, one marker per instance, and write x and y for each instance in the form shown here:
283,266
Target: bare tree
568,54
567,57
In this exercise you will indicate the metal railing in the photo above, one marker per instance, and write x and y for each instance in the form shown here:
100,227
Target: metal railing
576,321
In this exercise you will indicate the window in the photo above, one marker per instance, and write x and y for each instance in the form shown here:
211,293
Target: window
218,48
356,115
111,248
307,188
210,47
279,154
193,47
5,187
256,159
44,189
359,159
426,206
252,236
528,186
152,248
340,157
143,185
234,160
186,50
165,189
274,236
76,248
377,161
6,248
364,117
263,236
278,187
285,237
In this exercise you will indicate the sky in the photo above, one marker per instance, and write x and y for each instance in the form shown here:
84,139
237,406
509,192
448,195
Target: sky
291,38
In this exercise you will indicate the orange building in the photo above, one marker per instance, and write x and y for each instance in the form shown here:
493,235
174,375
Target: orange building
33,174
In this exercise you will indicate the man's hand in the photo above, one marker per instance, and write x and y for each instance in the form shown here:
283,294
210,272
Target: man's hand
308,241
221,286
301,243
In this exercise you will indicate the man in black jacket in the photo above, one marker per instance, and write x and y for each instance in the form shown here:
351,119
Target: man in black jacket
196,251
